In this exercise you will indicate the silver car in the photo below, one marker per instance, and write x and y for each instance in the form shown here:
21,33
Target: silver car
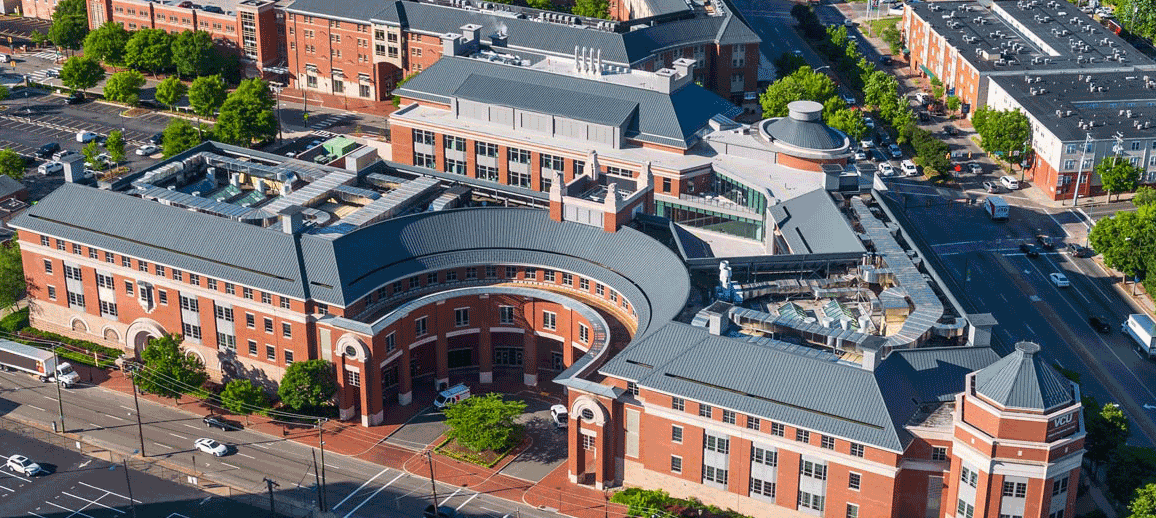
23,465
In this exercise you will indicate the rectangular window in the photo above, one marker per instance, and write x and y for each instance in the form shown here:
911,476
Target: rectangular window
716,444
425,160
431,278
268,325
125,262
247,293
938,453
270,353
230,288
191,331
105,281
486,149
854,480
506,314
128,288
567,279
550,276
76,249
190,303
491,272
285,302
211,284
250,321
728,416
549,320
968,476
52,293
178,275
584,284
45,241
194,279
48,266
810,501
1059,486
676,434
75,299
109,257
826,441
107,308
802,436
253,347
462,317
713,474
856,449
675,464
777,429
632,388
587,442
142,266
530,274
813,469
600,290
93,254
705,410
288,357
266,298
964,510
286,329
414,282
852,511
226,341
583,333
764,457
163,297
678,403
419,327
762,487
423,137
73,273
753,422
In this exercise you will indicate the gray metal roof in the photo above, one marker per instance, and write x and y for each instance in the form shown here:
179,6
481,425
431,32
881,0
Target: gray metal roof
546,99
812,224
209,245
9,186
805,134
668,119
1022,380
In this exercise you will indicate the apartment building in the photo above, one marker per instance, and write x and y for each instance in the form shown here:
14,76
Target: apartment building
1077,121
965,44
344,53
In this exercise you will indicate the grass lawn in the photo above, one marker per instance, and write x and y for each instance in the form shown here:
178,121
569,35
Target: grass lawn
875,28
488,458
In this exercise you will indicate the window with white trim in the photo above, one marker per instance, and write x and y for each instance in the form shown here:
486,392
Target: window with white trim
506,314
549,320
676,434
352,378
675,464
854,481
461,317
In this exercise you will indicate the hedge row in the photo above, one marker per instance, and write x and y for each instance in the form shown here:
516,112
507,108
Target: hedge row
91,347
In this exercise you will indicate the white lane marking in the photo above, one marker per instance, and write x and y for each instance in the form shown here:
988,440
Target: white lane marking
110,492
359,488
246,456
261,446
74,513
163,445
230,465
370,497
127,408
459,508
451,497
115,417
13,475
36,515
36,407
94,425
49,397
65,493
177,436
191,426
8,490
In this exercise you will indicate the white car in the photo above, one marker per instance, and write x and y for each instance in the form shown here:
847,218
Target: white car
147,150
909,168
865,144
85,137
23,465
885,169
975,168
1010,182
860,156
869,122
48,168
559,415
1059,279
211,447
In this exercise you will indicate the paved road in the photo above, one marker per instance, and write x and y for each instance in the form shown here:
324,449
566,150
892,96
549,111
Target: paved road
991,275
355,488
76,485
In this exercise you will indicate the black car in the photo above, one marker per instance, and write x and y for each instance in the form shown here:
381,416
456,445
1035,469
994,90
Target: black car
157,139
443,511
47,150
950,130
1047,242
1029,250
1099,324
885,60
216,421
75,98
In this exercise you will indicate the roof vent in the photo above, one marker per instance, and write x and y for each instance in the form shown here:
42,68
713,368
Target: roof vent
1028,348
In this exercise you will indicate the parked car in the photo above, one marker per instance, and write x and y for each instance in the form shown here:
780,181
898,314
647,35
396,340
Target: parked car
48,168
885,61
23,465
559,415
157,139
860,156
1100,324
950,130
877,155
52,72
85,137
1059,279
47,150
991,187
975,168
211,446
848,23
865,144
869,122
216,421
895,151
885,169
1080,251
62,154
909,168
147,150
1046,241
74,98
1029,250
5,58
1010,182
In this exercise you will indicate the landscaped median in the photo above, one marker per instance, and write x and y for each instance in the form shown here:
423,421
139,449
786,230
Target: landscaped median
482,430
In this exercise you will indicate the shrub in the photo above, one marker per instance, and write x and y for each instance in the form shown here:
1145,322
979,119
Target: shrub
14,321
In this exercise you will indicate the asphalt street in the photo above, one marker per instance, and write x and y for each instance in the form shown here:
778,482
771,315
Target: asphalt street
75,485
991,275
354,488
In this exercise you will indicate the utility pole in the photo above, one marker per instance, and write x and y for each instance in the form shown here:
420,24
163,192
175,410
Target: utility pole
432,483
136,403
271,485
317,481
59,394
1080,171
131,503
321,443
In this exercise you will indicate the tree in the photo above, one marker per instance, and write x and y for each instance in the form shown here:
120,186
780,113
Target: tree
308,385
90,152
1144,505
1117,175
808,21
206,95
241,396
12,282
193,53
787,63
1131,468
1127,240
804,83
545,5
484,422
1145,195
4,93
881,90
893,38
11,164
1004,133
179,136
937,91
170,91
850,122
592,8
247,114
124,87
107,43
38,38
953,103
81,73
149,50
931,153
1107,428
115,146
169,371
69,24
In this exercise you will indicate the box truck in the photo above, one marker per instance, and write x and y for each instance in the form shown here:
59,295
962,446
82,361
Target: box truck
1141,329
38,362
996,208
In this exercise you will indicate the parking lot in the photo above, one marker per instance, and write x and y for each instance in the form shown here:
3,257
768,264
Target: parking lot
77,486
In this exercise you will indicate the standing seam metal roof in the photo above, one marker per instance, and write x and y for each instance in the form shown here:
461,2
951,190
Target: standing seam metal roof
1022,380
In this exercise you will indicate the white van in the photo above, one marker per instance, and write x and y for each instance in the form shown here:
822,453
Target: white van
451,395
5,58
996,208
1010,182
48,168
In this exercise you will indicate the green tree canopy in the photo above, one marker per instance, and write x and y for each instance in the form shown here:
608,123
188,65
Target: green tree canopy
308,385
169,371
1144,504
206,95
804,83
931,153
894,40
1107,428
107,43
1145,195
850,122
1004,133
193,53
124,87
484,422
12,282
1131,468
81,73
247,114
90,151
4,92
545,5
1117,175
115,145
592,8
69,24
179,136
241,396
170,91
953,103
880,90
1127,239
149,50
11,164
787,63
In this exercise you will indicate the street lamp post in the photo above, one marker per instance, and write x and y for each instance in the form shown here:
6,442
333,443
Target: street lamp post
1080,171
59,393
